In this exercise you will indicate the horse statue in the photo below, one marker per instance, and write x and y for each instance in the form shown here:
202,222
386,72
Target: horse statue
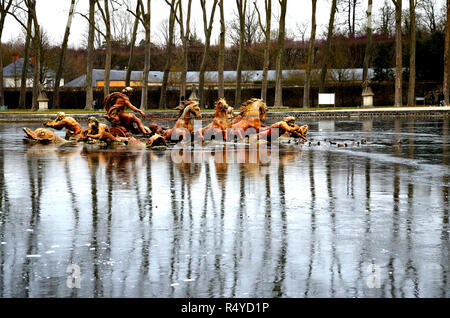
185,122
222,120
253,112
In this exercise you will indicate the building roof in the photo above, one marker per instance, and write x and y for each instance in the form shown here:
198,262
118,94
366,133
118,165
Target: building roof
213,77
115,75
15,69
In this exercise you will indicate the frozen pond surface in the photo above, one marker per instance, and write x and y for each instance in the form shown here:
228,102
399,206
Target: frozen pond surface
367,220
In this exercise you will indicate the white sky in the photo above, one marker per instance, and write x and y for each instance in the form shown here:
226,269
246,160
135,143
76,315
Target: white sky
52,15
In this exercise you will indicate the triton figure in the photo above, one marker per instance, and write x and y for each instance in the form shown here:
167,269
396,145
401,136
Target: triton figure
100,132
74,129
286,126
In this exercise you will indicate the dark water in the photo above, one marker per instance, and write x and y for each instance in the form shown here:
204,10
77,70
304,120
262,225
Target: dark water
365,220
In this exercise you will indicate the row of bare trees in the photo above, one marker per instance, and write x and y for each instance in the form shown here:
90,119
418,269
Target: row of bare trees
176,14
100,18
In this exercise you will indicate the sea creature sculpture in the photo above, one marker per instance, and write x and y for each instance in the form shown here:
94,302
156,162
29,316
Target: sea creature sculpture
42,135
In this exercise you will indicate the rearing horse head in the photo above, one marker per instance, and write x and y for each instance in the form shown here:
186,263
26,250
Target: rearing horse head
253,108
221,105
193,108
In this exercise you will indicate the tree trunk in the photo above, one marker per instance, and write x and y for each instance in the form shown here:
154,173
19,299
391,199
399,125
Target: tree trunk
108,50
208,29
266,30
62,57
279,66
398,53
312,39
4,11
2,97
90,57
323,72
37,59
412,57
163,99
26,60
107,78
267,51
368,52
185,33
241,6
447,58
132,45
221,90
147,25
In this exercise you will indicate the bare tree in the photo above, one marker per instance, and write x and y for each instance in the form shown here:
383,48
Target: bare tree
349,7
33,29
5,7
266,30
144,16
241,7
132,45
26,58
207,27
323,73
90,56
368,52
280,51
412,56
306,88
106,17
252,32
302,29
37,54
185,31
387,17
447,57
33,36
145,20
221,66
163,95
398,53
429,9
123,26
62,55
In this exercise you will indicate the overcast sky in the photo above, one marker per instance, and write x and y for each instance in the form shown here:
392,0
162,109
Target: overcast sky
52,15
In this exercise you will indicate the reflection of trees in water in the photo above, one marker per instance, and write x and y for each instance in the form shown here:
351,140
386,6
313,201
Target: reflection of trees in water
280,272
312,247
210,210
76,215
4,209
332,212
35,167
93,169
445,239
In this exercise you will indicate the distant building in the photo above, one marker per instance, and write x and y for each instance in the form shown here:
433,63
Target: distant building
12,74
249,78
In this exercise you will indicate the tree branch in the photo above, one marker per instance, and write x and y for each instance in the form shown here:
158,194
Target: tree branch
92,24
259,18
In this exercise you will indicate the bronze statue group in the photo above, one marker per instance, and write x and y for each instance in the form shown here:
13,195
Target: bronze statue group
128,128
